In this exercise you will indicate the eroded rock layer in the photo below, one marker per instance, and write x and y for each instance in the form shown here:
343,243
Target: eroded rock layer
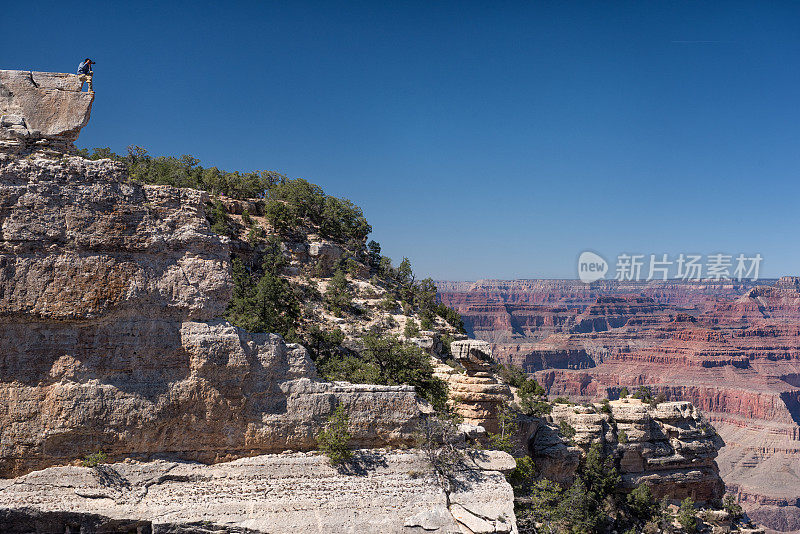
382,492
110,294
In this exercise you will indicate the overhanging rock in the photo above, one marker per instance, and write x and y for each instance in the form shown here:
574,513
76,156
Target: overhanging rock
41,110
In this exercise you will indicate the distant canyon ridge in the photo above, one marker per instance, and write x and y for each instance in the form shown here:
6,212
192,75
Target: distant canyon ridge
732,348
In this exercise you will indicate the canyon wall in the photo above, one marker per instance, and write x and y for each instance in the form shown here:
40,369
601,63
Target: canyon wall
731,348
110,338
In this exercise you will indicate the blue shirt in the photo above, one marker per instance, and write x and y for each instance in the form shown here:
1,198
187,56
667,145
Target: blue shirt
85,67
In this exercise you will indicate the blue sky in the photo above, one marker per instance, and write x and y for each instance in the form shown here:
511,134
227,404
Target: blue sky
482,139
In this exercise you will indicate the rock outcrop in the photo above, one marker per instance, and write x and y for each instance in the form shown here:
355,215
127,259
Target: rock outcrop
476,394
384,492
41,110
110,337
669,446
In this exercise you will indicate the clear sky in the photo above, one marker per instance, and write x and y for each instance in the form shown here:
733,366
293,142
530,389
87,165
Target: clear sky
482,139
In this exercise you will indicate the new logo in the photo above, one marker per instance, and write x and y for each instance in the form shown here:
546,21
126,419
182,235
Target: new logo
591,267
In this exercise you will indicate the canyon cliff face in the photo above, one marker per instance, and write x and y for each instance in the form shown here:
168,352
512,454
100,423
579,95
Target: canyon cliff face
110,337
731,348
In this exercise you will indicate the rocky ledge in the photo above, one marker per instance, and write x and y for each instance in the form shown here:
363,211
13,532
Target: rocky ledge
381,492
41,110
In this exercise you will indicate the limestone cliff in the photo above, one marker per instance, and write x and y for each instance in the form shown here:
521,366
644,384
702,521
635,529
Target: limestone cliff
109,338
112,339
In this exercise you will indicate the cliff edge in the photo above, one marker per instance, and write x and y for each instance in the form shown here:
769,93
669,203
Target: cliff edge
41,110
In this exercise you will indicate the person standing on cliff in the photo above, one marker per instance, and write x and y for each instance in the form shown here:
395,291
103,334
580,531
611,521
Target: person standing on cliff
85,73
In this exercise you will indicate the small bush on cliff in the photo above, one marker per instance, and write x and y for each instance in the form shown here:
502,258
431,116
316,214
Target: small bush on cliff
623,393
643,506
439,440
507,425
732,507
218,217
532,396
262,300
384,359
338,297
293,201
643,394
94,459
411,329
335,436
686,516
567,430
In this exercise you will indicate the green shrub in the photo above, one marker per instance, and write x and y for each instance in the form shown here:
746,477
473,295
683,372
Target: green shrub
338,297
732,507
94,459
384,359
255,235
512,375
389,303
262,300
622,436
561,400
507,425
623,393
643,506
686,516
566,430
643,394
411,329
335,436
246,218
218,217
605,407
522,478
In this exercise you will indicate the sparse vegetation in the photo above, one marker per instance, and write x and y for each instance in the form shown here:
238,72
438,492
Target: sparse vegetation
335,436
686,516
439,440
507,423
384,359
643,394
338,297
731,506
567,430
94,459
264,301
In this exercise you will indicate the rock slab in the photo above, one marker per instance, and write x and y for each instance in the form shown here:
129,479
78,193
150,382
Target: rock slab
381,492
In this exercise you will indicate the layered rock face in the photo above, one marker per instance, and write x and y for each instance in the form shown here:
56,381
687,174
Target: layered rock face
109,338
669,447
41,110
732,349
476,394
384,492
